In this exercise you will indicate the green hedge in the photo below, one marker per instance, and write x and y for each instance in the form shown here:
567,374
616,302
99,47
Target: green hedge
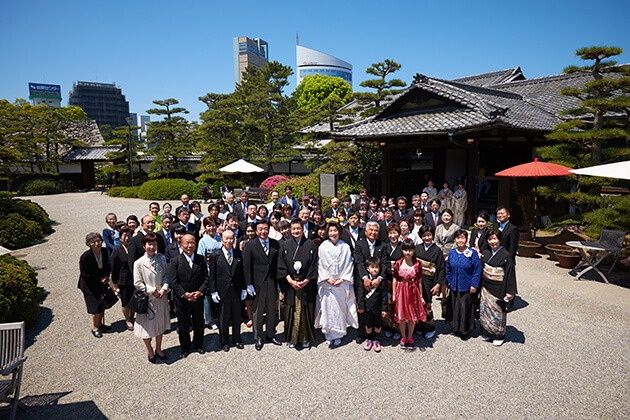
31,211
167,189
42,187
125,192
19,294
17,231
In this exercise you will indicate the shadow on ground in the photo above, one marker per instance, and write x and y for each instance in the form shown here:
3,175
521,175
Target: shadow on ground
44,319
46,406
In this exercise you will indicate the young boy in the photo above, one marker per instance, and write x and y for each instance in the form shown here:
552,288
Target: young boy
371,304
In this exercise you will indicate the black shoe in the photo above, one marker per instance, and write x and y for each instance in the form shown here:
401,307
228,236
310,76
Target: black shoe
360,339
97,333
184,354
152,359
200,350
226,348
259,344
239,346
275,341
306,345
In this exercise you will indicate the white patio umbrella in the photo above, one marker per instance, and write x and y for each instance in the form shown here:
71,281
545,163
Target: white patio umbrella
241,166
618,170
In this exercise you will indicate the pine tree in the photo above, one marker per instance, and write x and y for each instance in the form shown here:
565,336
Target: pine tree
382,86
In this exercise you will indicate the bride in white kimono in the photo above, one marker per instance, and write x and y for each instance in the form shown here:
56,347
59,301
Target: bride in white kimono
336,304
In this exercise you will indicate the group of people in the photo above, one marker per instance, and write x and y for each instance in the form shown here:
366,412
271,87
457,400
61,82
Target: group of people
372,265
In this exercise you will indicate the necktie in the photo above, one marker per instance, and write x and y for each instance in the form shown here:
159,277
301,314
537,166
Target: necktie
265,247
230,258
371,250
435,219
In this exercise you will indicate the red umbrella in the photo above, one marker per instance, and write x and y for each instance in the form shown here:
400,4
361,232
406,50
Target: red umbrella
535,169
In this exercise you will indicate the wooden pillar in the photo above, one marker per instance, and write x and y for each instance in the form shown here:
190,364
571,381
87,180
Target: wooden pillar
473,173
386,166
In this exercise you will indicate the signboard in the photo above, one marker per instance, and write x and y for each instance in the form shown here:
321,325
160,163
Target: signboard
328,185
43,90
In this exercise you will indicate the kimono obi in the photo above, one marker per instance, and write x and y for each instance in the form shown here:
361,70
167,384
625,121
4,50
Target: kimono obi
428,268
491,273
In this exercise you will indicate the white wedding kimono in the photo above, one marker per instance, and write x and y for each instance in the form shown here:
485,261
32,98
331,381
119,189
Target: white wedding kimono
336,305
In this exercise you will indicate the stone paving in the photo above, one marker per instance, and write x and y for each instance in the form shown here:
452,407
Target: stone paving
567,355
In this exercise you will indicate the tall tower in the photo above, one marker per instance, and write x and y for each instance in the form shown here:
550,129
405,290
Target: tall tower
102,102
249,52
311,61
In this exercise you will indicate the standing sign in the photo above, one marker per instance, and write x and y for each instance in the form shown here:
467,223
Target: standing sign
328,185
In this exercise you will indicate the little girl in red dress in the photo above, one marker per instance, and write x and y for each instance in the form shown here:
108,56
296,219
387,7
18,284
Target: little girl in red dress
407,295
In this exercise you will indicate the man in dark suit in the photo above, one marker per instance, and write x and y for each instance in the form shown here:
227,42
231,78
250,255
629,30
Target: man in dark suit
183,217
173,249
249,217
509,239
510,235
240,208
135,249
433,218
232,223
188,275
401,212
388,219
165,232
351,233
185,203
334,208
369,246
227,288
260,262
309,227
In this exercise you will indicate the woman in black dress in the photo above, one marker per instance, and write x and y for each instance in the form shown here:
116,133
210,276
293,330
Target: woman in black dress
93,280
433,275
498,288
479,234
122,277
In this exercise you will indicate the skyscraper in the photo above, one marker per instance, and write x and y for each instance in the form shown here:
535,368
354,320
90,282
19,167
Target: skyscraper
249,52
102,102
311,61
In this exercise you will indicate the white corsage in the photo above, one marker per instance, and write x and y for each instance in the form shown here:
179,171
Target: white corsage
468,253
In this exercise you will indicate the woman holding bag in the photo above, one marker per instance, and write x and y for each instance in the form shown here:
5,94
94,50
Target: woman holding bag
149,277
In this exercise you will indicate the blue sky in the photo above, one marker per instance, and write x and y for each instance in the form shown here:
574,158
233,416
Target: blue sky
160,49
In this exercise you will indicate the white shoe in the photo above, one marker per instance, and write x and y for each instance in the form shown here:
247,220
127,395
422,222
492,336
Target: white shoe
337,342
429,335
498,343
486,338
214,327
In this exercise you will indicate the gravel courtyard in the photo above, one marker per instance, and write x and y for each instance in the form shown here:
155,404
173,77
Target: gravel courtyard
567,355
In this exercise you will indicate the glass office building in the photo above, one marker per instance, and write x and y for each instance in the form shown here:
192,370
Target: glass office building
102,102
249,52
311,61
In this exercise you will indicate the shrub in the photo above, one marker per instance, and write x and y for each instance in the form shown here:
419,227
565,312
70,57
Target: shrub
31,211
167,189
270,182
126,192
16,231
304,184
42,187
19,294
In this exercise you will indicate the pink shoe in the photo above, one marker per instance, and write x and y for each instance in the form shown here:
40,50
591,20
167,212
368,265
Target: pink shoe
368,345
376,346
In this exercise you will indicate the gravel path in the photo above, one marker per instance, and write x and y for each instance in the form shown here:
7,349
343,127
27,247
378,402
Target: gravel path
568,355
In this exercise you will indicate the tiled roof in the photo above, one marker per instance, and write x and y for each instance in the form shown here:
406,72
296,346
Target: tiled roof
95,153
493,78
86,131
533,104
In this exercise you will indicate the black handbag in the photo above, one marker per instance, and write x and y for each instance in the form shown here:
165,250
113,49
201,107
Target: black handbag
139,302
108,299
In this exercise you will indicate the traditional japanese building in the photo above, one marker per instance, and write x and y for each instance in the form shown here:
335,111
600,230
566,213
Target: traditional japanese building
463,130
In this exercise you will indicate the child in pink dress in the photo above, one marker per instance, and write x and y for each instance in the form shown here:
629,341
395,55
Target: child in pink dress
407,295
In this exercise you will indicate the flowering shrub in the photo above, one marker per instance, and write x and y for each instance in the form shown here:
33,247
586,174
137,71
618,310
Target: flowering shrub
272,181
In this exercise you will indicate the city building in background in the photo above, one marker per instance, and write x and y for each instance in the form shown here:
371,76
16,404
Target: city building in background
249,52
311,62
144,121
102,102
42,93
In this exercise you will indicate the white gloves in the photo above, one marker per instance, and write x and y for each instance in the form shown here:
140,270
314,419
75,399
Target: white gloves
243,294
215,297
250,290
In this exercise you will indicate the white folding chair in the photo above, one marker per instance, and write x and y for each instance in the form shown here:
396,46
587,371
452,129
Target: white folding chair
11,363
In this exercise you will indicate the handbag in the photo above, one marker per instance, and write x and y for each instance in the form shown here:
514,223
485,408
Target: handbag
108,299
139,302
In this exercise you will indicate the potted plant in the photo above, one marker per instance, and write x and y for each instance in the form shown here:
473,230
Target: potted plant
568,259
552,249
528,248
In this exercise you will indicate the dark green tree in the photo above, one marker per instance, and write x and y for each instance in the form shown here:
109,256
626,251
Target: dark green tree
380,84
126,137
594,132
170,139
